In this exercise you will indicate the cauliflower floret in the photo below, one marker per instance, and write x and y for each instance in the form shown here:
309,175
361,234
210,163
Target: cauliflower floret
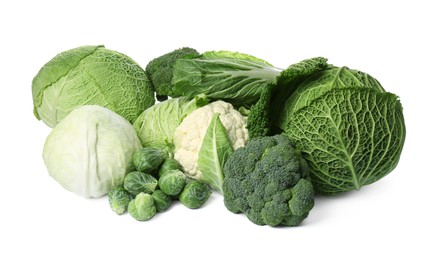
189,135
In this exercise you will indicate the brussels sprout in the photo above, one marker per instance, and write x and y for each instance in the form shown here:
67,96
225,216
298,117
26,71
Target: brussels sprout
162,200
142,207
195,194
172,182
119,199
136,182
168,165
148,159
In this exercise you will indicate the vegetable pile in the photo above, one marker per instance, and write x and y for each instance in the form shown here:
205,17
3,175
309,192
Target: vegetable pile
156,182
267,139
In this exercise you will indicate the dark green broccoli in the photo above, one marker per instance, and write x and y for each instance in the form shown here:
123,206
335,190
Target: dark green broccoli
268,180
160,70
258,120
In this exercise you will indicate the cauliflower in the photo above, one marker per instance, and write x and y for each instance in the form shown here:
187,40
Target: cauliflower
189,135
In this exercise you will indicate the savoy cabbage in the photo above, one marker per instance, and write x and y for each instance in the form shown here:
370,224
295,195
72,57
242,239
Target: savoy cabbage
90,75
350,130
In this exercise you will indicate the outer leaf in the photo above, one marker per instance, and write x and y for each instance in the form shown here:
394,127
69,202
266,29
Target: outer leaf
236,78
156,125
90,75
232,55
215,150
297,72
288,81
59,67
350,137
323,81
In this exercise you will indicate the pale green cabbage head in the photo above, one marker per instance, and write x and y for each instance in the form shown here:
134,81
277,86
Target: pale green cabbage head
91,150
90,75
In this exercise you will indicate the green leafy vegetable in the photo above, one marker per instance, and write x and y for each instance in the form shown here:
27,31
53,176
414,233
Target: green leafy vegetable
143,207
172,182
160,70
90,75
119,199
169,165
242,80
136,182
148,159
349,136
265,111
289,77
232,55
258,120
91,151
162,201
289,80
195,194
155,126
314,84
234,77
268,181
215,150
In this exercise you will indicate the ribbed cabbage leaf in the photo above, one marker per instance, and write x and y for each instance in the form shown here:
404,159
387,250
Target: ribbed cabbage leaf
350,137
90,75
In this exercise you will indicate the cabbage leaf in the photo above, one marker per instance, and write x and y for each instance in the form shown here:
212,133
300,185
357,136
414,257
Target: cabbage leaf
234,77
350,137
311,86
215,150
155,126
90,75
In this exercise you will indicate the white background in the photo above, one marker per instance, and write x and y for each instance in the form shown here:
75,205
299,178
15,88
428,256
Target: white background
387,39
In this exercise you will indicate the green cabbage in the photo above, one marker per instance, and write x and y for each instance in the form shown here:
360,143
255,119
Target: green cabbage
90,75
155,126
91,150
321,82
234,77
350,131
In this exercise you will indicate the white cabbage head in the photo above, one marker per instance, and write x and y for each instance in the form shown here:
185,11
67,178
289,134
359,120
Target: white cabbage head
90,150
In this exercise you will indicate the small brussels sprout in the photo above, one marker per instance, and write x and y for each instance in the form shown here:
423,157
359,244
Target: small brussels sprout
168,165
172,182
119,199
148,159
142,207
195,194
162,201
136,182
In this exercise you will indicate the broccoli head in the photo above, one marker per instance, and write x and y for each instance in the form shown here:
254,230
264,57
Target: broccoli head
268,180
160,70
258,121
